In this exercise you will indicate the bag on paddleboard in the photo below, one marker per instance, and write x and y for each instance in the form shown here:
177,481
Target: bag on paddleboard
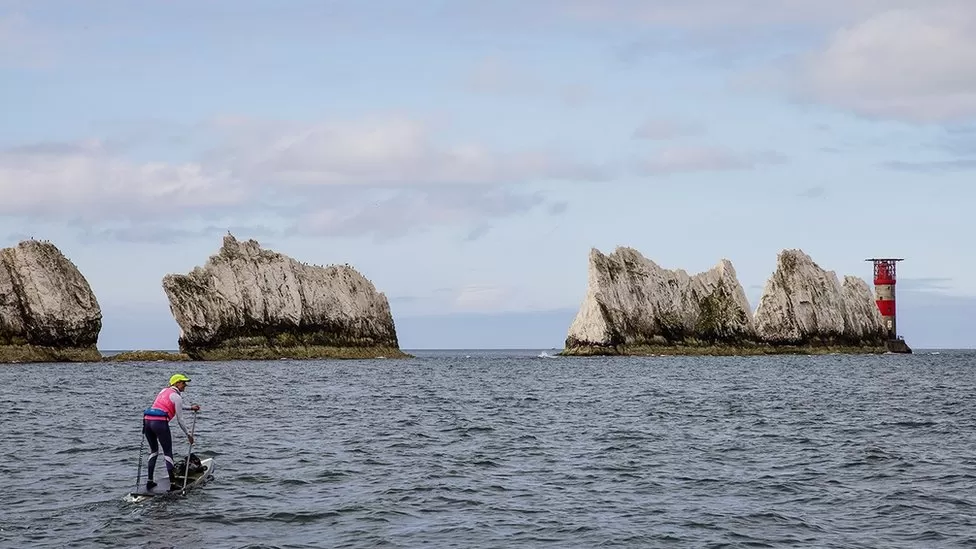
196,467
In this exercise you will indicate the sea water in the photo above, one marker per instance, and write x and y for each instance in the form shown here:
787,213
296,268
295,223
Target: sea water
504,449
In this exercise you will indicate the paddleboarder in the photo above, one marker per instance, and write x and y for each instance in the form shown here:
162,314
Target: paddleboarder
155,425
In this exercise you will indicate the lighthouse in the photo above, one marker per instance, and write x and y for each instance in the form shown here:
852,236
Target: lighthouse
884,293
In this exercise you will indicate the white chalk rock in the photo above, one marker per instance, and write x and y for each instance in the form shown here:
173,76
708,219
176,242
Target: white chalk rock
803,303
865,324
245,291
45,301
630,300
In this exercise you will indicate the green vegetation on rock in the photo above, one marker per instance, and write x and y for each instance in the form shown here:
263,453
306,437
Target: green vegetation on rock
258,349
718,350
10,339
38,353
265,352
147,356
720,319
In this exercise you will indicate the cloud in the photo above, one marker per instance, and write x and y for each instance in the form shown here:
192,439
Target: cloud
705,159
407,211
155,233
165,234
665,128
717,33
912,65
902,60
382,176
392,151
83,180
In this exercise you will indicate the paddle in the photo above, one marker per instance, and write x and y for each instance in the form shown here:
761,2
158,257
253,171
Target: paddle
142,441
189,450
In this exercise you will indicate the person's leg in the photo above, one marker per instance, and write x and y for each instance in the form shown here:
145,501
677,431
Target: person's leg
161,431
166,441
153,449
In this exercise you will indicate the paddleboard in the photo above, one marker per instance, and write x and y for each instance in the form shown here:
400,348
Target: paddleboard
162,488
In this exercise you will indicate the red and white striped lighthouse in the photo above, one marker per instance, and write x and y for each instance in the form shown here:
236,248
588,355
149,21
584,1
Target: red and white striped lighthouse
884,292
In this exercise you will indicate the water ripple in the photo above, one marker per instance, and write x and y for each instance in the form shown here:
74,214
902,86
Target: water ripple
501,450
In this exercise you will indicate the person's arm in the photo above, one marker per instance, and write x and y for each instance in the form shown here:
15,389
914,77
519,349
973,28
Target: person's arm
178,404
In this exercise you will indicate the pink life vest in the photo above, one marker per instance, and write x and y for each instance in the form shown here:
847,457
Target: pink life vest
164,403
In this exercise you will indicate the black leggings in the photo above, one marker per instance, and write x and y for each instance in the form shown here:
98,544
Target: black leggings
157,433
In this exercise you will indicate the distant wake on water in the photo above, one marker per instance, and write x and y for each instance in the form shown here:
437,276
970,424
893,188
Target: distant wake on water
503,449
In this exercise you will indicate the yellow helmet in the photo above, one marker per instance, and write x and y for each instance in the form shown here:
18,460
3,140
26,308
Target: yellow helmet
177,378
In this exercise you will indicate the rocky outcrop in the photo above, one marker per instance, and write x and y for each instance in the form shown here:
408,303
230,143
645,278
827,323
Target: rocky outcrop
146,356
247,302
803,304
864,322
898,345
633,306
48,312
632,302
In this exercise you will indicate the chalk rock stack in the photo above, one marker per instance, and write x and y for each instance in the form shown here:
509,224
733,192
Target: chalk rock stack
248,302
634,306
631,301
48,312
865,326
803,304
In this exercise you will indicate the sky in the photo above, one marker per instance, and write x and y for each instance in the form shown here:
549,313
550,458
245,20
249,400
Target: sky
465,156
